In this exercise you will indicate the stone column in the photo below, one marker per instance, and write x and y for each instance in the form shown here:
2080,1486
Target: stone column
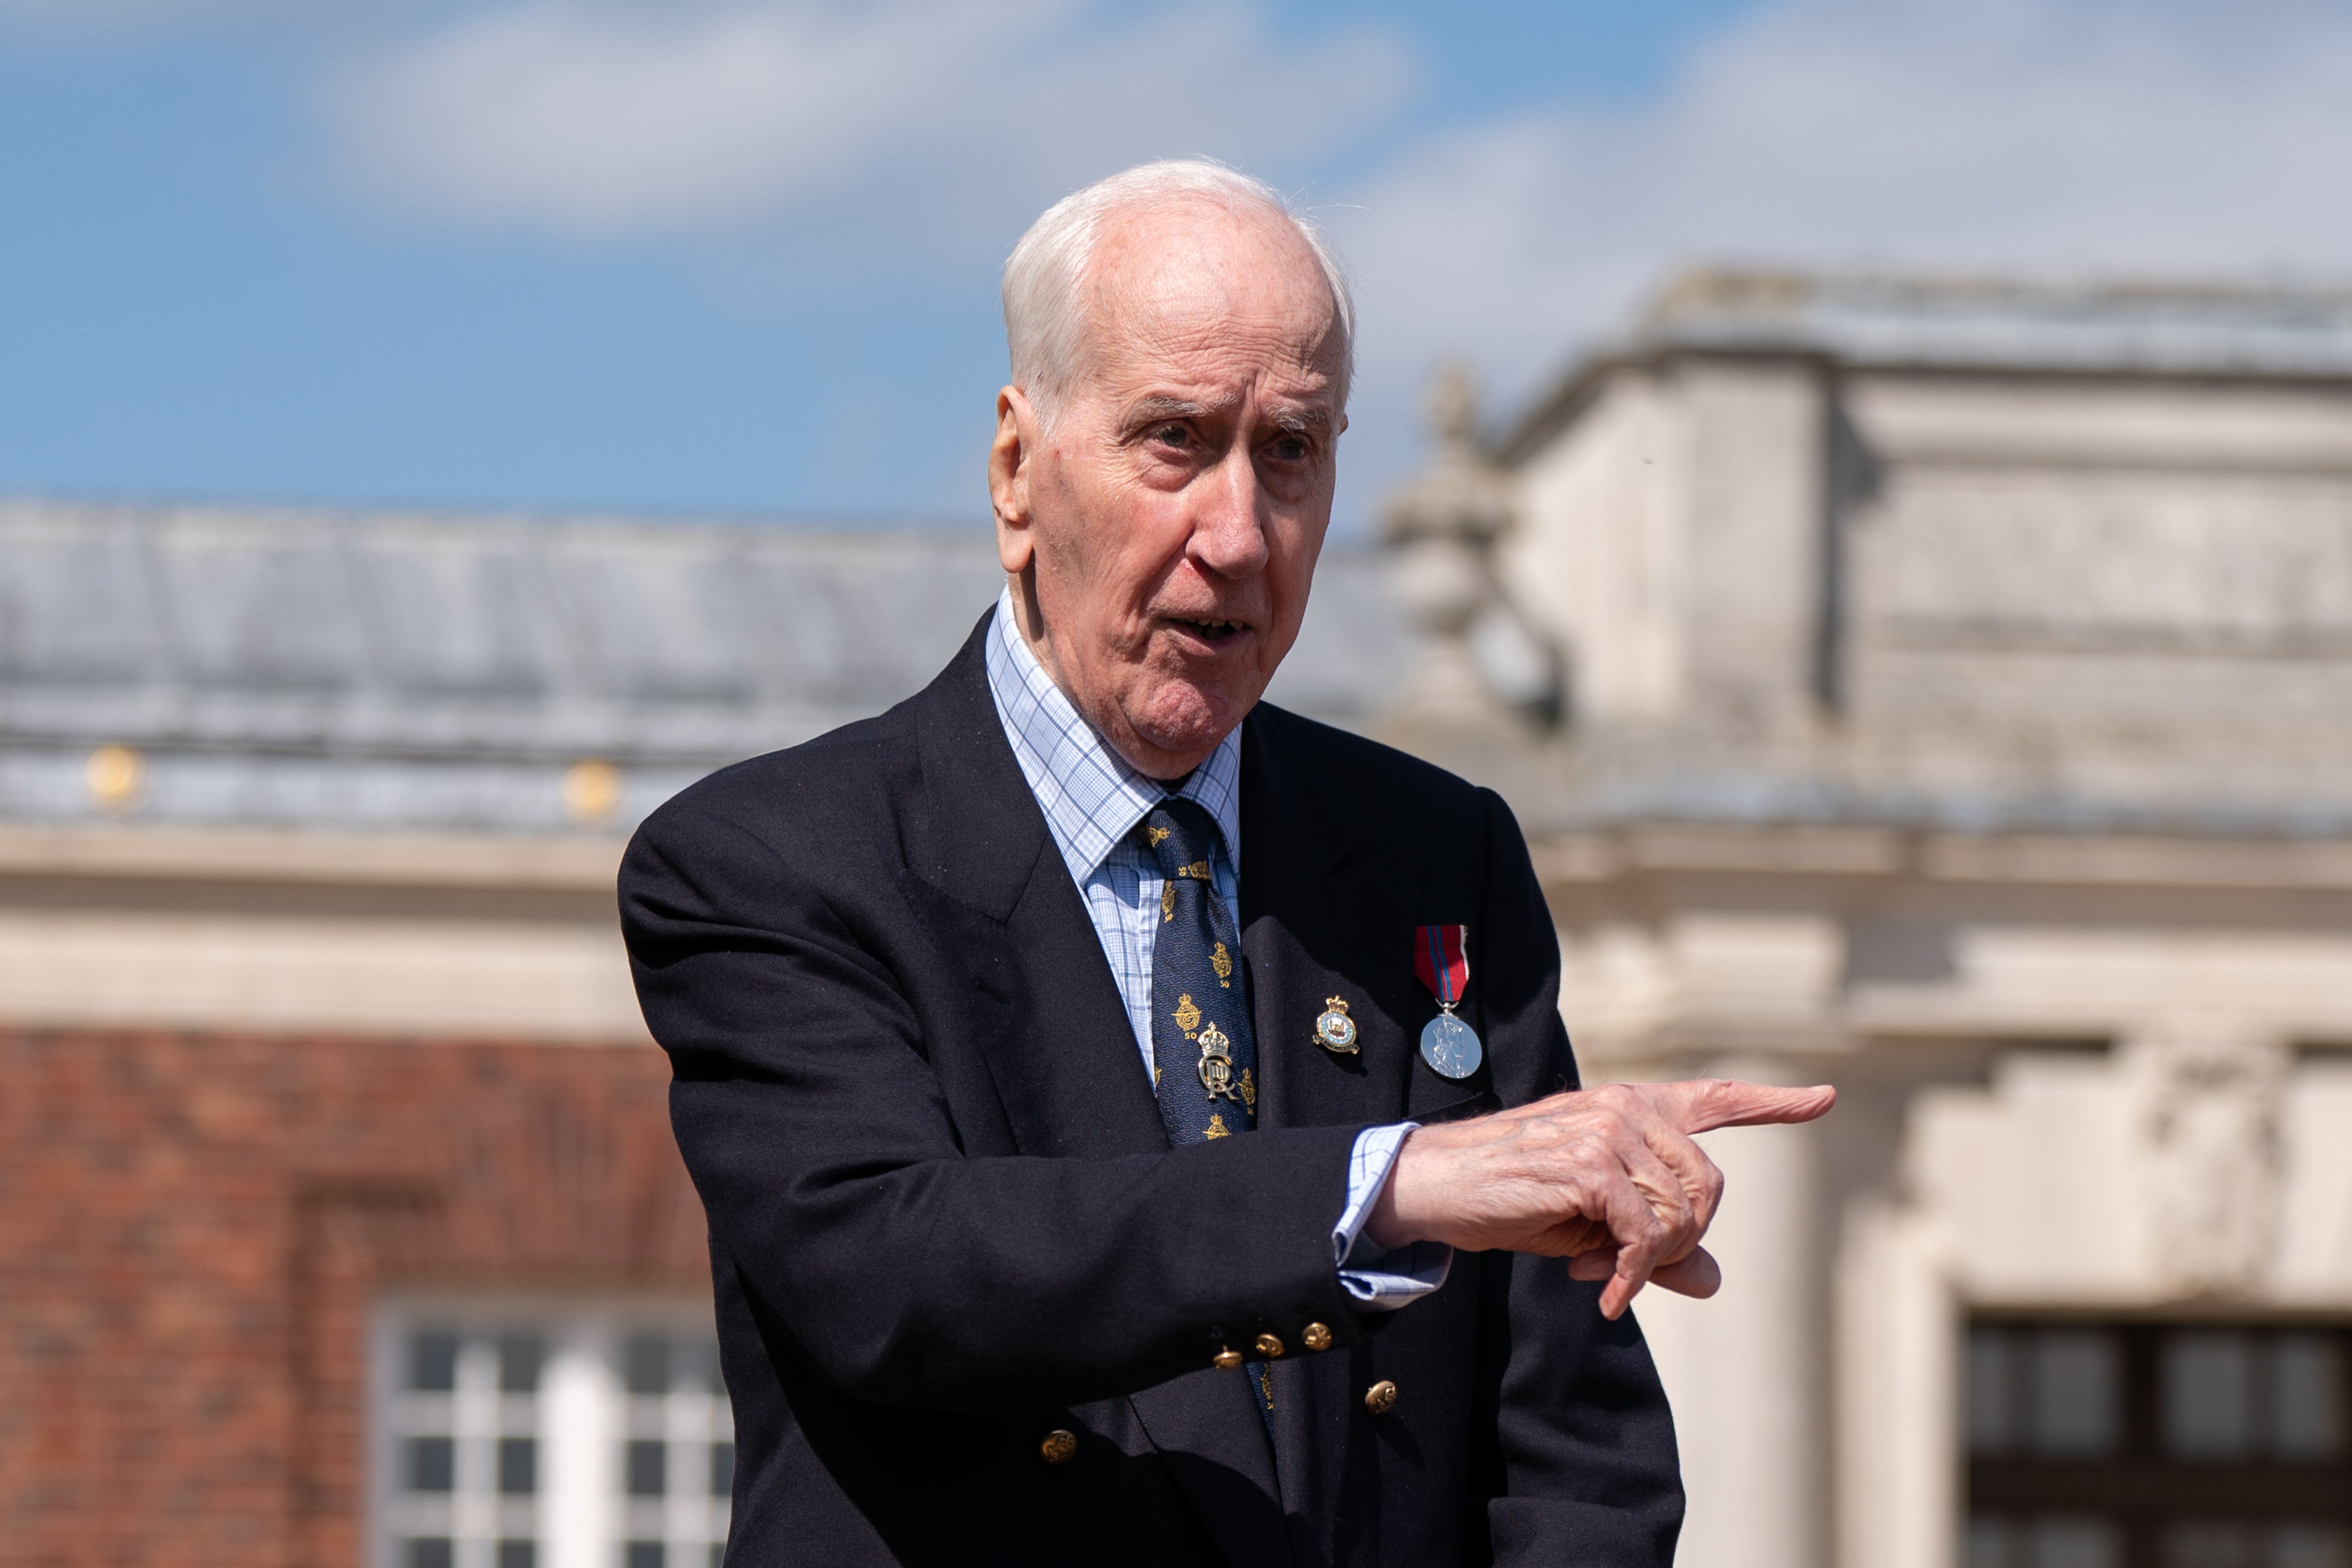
1898,1349
1744,1369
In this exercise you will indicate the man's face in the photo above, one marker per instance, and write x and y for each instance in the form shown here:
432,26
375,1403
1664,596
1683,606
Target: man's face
1161,536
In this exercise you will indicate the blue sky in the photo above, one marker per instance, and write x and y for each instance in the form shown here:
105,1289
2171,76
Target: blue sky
739,256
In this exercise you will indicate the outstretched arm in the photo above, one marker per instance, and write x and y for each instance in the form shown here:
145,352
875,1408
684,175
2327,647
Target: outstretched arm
1607,1177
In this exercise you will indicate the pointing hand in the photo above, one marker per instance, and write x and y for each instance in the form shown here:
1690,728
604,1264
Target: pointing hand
1606,1177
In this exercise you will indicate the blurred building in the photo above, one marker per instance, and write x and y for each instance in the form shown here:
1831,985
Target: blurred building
1950,696
1942,690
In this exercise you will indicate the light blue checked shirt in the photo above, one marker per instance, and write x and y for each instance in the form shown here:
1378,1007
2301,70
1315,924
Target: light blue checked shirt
1092,800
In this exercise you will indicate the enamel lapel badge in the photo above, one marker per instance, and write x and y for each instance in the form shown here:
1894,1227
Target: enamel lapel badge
1440,956
1334,1030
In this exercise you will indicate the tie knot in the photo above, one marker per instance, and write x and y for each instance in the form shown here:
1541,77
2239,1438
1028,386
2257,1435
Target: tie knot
1181,837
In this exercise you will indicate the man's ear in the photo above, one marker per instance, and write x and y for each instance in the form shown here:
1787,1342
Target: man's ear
1008,480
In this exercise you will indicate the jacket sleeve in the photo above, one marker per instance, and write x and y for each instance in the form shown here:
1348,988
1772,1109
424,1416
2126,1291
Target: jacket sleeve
904,1268
1573,1446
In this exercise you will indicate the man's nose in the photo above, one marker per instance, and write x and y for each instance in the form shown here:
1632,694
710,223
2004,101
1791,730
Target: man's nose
1228,533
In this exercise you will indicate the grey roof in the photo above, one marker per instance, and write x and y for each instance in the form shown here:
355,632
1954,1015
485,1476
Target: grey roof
2022,323
1878,320
319,668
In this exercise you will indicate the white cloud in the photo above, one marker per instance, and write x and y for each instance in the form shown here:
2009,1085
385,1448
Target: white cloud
2136,140
2135,137
112,10
603,120
109,18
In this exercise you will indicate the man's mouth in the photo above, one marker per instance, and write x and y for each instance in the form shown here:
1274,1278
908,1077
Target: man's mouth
1212,631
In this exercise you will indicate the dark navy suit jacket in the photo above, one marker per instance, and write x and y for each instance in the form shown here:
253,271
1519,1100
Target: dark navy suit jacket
945,1221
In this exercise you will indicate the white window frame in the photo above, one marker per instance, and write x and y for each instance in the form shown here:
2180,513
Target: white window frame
581,1417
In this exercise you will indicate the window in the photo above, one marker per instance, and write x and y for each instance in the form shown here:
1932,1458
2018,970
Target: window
549,1439
2158,1445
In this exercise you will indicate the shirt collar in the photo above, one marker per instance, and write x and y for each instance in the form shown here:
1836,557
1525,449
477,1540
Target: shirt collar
1091,798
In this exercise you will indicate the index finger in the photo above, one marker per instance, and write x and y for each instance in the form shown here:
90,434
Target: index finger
1701,1105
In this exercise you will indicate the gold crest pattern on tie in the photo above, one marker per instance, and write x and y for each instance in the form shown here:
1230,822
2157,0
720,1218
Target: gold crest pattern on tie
1200,1010
1217,1065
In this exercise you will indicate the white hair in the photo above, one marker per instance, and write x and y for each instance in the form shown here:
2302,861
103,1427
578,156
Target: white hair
1044,296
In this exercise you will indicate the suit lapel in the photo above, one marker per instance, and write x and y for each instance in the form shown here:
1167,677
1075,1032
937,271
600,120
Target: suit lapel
1327,910
1314,906
1059,1046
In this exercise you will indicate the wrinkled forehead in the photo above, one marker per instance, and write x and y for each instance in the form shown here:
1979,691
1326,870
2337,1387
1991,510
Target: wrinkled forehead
1191,281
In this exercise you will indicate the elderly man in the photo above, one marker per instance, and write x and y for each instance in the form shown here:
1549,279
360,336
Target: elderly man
1135,1121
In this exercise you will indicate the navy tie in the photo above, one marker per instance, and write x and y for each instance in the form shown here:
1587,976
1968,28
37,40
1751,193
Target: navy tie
1204,1052
1205,1060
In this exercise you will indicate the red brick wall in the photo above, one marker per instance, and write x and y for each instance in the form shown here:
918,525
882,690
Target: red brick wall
192,1228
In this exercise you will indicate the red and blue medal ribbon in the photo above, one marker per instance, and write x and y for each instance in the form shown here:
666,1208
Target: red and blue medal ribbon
1440,956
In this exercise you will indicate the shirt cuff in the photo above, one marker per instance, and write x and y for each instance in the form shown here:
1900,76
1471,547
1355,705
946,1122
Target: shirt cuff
1381,1278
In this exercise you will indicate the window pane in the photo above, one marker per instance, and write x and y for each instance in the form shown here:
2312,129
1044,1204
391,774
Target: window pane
1986,1545
432,1464
2074,1383
2306,1398
433,1361
520,1356
2308,1546
2272,1400
648,1466
1991,1392
2208,1543
723,1468
476,1459
2073,1543
2209,1395
645,1364
698,1363
517,1466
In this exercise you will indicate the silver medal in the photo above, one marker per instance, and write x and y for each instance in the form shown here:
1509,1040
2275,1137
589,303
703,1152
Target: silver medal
1450,1047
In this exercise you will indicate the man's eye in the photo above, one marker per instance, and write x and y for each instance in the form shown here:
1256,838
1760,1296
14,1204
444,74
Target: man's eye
1291,450
1173,436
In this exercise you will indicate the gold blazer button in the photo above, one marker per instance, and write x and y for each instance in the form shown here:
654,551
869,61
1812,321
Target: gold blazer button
1268,1346
1058,1446
1227,1359
1380,1398
1315,1337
